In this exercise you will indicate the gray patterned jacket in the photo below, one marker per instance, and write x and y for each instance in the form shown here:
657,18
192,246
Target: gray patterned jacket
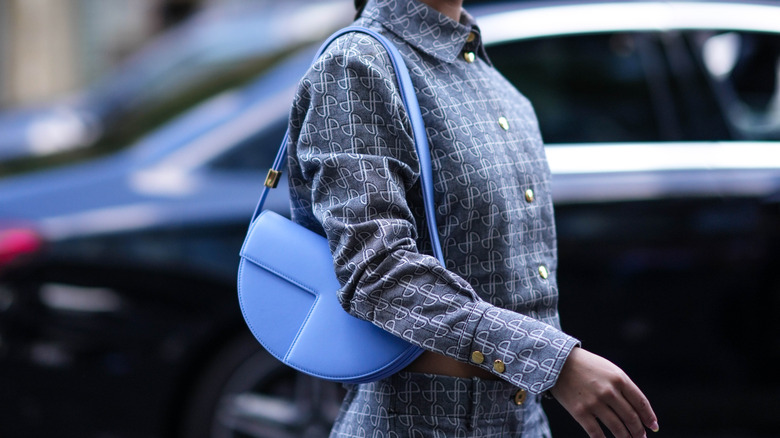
354,177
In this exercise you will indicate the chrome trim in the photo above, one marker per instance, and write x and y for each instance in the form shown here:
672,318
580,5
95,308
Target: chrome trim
592,173
631,16
72,298
593,158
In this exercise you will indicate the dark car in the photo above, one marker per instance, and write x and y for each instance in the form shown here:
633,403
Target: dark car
118,314
220,47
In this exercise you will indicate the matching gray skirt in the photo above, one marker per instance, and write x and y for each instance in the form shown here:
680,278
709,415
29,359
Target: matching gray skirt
424,405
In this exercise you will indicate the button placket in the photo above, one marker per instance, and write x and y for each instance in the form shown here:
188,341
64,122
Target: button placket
470,47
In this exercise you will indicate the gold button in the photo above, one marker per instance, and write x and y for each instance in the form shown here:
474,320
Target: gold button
529,195
469,57
472,36
499,366
520,396
504,123
477,357
543,272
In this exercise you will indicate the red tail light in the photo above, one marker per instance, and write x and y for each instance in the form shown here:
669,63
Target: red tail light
17,242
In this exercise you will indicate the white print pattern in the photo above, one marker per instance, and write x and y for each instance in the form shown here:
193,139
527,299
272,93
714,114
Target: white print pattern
410,405
354,177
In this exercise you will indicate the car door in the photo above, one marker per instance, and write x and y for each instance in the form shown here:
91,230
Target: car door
667,241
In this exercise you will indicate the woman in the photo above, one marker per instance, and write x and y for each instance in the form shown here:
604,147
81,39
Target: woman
488,320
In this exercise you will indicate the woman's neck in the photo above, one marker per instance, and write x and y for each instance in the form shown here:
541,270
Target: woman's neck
450,8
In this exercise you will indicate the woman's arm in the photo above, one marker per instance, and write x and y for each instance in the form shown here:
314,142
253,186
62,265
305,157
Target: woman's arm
354,175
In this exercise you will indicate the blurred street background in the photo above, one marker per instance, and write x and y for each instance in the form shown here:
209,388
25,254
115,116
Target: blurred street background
49,48
135,136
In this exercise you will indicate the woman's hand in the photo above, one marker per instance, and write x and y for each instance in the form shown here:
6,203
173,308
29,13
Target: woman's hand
592,388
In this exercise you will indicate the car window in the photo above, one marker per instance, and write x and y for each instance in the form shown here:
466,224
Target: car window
223,47
168,95
590,88
743,69
257,152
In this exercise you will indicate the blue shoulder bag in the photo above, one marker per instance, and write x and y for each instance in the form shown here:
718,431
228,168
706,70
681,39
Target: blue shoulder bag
287,287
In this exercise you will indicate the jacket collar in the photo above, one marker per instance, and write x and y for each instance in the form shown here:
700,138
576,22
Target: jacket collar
425,28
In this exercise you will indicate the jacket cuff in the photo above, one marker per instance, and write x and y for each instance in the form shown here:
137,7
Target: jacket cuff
525,351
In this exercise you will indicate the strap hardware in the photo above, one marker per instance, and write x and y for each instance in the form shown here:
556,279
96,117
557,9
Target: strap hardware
272,179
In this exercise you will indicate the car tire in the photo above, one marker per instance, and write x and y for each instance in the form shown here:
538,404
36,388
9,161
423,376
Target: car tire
245,392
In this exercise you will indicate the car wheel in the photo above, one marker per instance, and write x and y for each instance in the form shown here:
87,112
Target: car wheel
248,393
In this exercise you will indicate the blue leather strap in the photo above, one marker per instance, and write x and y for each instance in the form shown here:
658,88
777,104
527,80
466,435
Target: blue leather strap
418,130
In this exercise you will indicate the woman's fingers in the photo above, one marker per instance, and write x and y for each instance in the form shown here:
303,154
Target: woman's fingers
642,406
626,414
615,425
590,425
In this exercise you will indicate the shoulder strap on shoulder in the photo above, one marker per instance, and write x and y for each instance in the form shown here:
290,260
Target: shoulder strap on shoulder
418,130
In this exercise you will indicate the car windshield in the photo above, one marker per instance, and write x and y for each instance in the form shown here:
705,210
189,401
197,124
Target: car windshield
218,41
221,48
232,130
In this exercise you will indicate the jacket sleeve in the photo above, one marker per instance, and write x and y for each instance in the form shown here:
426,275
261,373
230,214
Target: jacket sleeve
353,167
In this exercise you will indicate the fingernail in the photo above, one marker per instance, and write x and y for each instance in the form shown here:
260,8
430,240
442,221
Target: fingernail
654,426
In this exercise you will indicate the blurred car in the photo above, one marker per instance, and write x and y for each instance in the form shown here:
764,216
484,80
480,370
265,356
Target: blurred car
118,314
218,48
